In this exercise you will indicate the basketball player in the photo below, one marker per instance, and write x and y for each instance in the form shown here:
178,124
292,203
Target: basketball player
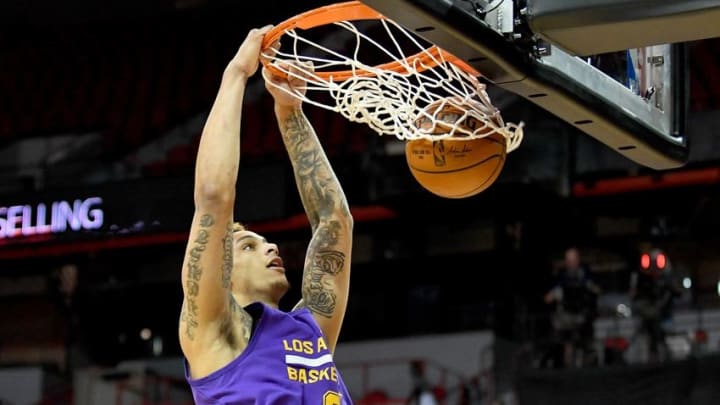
238,346
653,290
575,298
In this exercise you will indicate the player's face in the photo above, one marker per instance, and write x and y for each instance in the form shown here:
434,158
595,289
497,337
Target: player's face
258,269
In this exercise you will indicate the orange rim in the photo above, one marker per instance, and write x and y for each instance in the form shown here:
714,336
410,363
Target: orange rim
355,11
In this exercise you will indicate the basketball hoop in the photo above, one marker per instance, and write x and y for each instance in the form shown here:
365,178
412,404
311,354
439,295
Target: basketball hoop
392,96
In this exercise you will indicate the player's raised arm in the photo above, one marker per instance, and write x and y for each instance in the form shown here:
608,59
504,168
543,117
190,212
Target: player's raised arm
326,275
208,258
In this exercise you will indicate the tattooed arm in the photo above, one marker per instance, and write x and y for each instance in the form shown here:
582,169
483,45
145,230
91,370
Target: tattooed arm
326,276
207,264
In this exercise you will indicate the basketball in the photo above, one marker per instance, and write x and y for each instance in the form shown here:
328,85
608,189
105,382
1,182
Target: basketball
455,167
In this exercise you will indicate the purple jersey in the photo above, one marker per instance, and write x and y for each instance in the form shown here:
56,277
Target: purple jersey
286,362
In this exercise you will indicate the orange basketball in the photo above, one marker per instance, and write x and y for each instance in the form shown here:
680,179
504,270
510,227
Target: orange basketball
453,167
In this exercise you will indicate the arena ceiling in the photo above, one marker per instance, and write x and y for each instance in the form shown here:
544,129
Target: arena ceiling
20,20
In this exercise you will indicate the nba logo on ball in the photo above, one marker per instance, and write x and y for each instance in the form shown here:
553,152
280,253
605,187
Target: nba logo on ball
456,167
439,153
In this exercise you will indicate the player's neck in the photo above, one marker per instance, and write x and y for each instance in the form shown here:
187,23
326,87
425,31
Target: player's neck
246,299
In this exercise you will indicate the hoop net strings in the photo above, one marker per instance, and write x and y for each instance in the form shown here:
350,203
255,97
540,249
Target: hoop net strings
393,102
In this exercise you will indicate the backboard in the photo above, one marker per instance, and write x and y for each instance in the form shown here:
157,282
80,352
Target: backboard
639,112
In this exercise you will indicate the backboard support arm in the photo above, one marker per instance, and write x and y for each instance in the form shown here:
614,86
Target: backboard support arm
559,82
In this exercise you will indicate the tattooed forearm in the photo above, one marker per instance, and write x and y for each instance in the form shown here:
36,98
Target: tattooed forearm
328,262
194,273
187,325
227,256
319,189
318,296
323,264
326,237
327,209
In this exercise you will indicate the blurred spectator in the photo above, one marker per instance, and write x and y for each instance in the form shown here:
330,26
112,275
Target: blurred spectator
472,392
653,291
71,297
574,297
422,393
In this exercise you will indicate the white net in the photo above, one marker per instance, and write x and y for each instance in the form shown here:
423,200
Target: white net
416,86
